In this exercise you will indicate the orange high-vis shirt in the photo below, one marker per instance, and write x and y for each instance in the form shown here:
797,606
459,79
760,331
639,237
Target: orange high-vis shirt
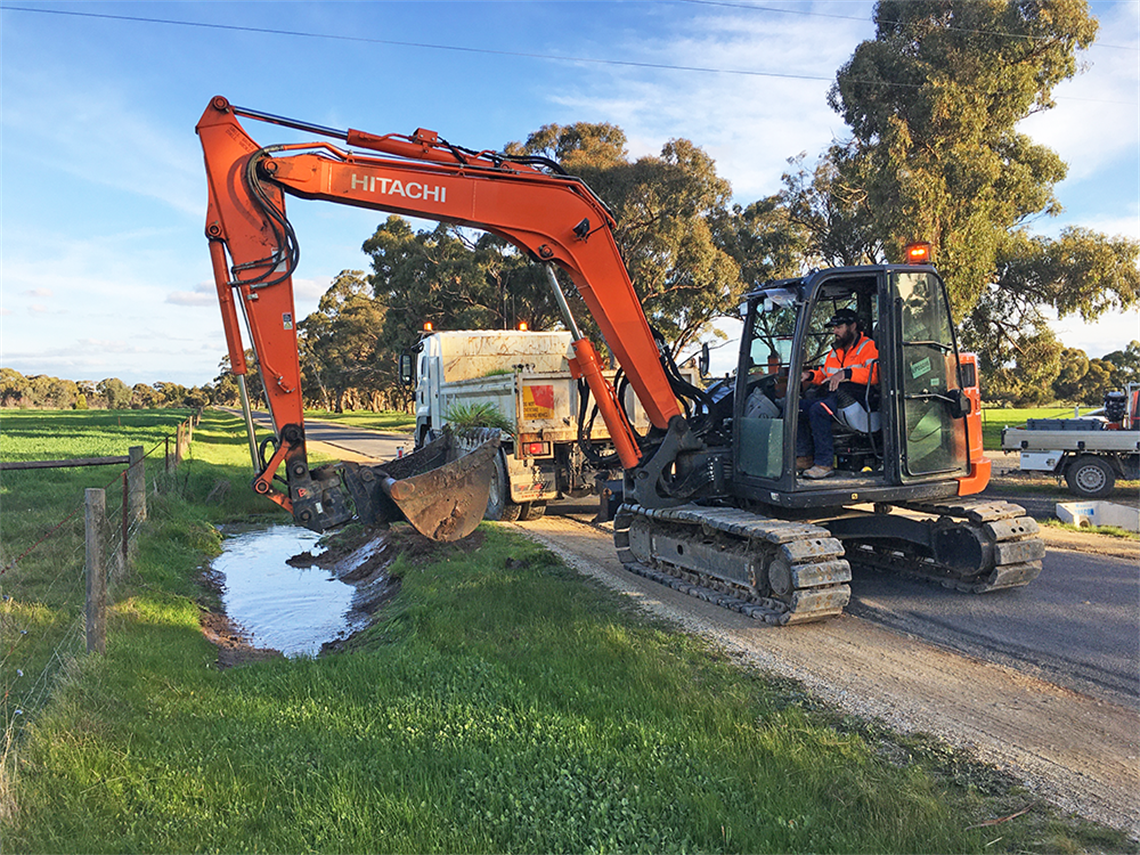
861,359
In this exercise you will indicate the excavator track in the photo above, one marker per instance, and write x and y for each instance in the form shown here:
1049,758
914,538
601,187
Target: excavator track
1007,539
773,570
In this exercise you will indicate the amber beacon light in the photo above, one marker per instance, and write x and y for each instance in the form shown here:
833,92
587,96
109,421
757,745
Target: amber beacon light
917,253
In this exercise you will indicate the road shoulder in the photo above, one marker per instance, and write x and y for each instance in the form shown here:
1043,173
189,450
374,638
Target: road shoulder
1096,544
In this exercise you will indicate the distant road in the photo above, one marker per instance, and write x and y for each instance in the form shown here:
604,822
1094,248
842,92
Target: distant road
369,443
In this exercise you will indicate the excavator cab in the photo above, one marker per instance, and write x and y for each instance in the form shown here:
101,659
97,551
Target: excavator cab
904,435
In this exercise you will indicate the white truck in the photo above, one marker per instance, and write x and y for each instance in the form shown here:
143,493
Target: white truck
526,378
1089,453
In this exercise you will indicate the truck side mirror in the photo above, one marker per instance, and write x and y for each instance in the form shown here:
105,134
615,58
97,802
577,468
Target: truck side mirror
407,369
704,360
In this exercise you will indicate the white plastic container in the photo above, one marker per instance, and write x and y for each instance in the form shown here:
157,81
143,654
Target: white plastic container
1086,514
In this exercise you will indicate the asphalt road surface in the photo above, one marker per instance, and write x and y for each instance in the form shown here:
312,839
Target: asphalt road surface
382,446
1076,625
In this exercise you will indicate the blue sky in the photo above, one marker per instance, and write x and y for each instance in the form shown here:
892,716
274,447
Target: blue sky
104,270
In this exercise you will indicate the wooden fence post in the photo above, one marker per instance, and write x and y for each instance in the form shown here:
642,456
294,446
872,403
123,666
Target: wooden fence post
124,559
136,484
95,502
179,445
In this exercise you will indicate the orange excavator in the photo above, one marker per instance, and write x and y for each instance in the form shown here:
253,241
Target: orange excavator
711,501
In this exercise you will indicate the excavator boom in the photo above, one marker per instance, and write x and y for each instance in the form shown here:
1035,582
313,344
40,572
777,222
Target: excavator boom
552,218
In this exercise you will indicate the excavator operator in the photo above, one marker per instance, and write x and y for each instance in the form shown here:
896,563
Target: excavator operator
851,365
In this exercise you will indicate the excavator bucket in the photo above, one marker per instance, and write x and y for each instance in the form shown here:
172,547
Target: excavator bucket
442,489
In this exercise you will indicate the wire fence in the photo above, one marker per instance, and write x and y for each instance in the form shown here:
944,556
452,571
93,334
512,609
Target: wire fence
57,588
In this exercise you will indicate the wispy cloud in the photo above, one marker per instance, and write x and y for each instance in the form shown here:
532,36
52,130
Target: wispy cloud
204,294
749,124
89,128
1096,122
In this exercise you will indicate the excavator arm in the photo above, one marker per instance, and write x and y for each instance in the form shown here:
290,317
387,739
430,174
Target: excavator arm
553,218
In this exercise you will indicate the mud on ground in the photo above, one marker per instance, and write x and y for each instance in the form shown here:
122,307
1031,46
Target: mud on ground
232,641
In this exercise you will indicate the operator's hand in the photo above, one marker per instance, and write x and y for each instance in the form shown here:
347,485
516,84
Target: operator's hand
805,377
834,380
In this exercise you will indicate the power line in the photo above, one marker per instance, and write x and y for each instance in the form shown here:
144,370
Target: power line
493,52
423,45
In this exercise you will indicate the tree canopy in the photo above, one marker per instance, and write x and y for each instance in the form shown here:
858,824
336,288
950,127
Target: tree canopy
1080,273
341,356
666,207
933,103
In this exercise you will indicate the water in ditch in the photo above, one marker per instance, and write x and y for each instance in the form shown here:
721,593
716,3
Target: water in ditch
282,607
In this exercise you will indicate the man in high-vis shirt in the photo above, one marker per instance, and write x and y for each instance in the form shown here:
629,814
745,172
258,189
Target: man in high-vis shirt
851,365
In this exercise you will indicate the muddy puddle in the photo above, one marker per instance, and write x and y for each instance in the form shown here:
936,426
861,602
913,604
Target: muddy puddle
283,591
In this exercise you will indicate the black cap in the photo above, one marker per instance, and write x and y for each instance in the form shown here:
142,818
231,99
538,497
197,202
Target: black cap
843,316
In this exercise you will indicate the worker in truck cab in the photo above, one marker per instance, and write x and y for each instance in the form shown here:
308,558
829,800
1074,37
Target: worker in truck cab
851,365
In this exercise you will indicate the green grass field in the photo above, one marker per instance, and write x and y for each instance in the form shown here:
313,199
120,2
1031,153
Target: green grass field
994,419
501,703
42,545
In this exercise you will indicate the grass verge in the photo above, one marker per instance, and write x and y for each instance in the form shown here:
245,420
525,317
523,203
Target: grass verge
500,703
1106,530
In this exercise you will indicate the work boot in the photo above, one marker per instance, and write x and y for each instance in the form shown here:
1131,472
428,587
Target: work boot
803,463
818,471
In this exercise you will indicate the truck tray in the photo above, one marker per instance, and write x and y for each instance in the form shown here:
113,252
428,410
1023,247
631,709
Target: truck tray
1120,441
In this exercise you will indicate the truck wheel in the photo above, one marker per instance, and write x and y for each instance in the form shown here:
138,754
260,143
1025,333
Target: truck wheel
1090,477
499,505
532,511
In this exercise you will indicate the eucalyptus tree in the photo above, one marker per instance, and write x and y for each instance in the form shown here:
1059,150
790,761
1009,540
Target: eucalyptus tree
667,208
343,360
933,103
